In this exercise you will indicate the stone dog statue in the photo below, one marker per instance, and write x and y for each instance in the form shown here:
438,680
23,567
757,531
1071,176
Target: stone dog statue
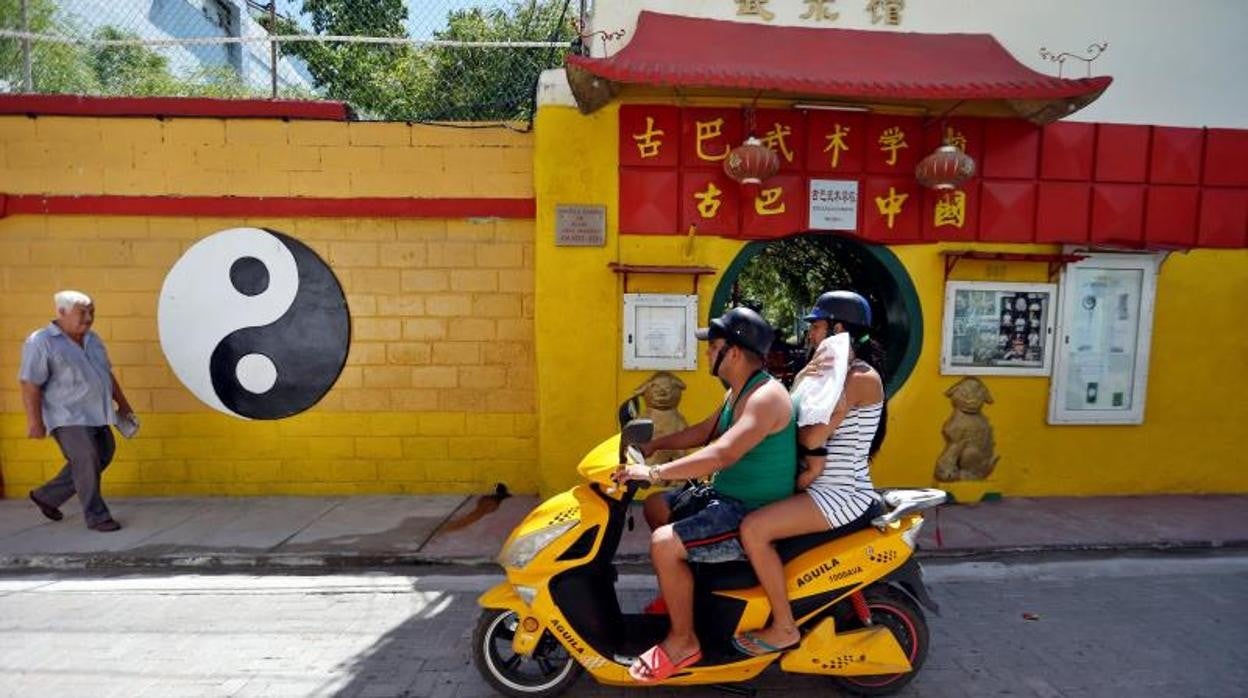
968,453
661,394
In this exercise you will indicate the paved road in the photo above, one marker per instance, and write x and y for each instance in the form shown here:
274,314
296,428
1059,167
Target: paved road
1154,626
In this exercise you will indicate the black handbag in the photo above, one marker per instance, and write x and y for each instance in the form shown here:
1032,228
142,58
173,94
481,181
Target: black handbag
691,499
697,495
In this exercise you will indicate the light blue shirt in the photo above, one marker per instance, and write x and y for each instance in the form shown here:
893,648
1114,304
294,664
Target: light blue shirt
76,381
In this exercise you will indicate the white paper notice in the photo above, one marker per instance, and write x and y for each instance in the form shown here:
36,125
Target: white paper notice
661,332
833,204
1103,339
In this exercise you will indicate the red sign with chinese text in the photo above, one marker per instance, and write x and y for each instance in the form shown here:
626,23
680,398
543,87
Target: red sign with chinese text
707,135
1064,183
891,208
835,142
784,131
894,144
709,200
649,136
777,209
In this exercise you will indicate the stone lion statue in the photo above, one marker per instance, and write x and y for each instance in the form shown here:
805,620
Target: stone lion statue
968,453
660,394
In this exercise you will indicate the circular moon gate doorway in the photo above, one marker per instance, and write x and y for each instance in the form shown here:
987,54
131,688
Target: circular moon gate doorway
782,278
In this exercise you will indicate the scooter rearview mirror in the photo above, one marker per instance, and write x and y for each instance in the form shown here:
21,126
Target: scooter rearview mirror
636,431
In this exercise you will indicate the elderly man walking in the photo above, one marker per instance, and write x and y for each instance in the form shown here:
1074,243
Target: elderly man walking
68,389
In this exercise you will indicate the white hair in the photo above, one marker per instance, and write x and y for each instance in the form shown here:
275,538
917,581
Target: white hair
67,299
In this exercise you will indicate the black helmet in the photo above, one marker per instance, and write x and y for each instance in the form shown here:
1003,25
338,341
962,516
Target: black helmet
741,327
846,307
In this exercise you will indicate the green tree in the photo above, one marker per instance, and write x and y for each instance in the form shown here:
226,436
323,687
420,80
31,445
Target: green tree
403,82
128,70
141,72
496,83
372,77
55,67
786,277
58,67
783,280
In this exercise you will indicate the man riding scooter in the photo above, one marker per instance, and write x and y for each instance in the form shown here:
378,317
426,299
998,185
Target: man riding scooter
750,447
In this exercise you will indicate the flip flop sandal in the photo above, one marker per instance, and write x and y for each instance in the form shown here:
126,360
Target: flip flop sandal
654,665
754,640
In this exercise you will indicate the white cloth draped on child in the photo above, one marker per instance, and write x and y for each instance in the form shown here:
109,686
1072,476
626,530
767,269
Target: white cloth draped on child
817,395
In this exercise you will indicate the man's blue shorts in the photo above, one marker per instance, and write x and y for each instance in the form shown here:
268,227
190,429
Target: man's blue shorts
711,534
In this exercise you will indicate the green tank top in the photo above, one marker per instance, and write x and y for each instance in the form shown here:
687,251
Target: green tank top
766,473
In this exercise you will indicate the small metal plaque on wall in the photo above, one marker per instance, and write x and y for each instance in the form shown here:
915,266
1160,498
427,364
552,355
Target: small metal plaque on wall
580,226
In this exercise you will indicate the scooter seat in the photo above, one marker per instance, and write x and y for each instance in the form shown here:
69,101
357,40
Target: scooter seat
738,574
724,576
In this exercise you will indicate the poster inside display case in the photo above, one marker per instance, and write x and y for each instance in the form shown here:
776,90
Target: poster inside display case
1106,320
997,328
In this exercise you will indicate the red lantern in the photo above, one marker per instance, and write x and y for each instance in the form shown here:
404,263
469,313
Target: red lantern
945,168
751,162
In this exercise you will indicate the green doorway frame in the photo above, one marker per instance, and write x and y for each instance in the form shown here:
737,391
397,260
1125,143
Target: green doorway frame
891,265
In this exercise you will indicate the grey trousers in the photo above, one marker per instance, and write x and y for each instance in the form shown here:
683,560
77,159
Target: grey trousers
88,451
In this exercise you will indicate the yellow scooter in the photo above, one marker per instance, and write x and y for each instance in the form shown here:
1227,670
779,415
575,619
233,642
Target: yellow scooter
856,597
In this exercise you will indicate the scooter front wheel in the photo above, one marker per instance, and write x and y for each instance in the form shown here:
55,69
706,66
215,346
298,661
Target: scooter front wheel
549,671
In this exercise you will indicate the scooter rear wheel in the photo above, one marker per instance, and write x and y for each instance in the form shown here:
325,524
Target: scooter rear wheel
548,672
897,612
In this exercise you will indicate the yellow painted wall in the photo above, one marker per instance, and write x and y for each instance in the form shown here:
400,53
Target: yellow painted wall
1197,373
1190,441
450,385
438,393
260,157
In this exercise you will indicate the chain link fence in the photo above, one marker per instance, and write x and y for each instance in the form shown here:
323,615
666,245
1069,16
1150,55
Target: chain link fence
421,61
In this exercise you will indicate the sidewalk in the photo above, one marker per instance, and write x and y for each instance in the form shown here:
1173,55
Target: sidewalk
375,531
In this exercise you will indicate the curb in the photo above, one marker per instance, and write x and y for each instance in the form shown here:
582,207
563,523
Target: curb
233,562
1153,546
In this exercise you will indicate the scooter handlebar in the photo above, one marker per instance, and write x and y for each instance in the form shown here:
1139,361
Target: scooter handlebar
630,487
632,456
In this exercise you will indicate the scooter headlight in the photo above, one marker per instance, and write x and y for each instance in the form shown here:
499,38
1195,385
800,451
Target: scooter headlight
523,549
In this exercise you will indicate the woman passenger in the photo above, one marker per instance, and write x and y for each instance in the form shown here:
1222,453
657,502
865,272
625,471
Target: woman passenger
835,487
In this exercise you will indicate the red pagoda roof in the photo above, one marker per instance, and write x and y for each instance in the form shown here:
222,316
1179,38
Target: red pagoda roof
840,64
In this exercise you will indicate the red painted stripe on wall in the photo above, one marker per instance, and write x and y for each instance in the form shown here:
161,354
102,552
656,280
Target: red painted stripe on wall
278,207
78,105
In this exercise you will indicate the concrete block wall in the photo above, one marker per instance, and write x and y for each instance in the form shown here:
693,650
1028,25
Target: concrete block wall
438,391
260,157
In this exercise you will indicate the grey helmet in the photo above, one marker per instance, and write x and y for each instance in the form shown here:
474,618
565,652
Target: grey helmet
845,307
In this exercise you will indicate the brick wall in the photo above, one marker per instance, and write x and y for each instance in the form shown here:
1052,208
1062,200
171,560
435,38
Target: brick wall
260,157
438,391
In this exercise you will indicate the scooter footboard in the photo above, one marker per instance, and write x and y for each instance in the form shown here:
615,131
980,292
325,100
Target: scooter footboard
860,652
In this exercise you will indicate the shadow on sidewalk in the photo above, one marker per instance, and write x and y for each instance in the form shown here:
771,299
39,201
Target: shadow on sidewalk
429,655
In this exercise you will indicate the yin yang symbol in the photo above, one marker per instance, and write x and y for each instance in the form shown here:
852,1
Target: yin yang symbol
254,323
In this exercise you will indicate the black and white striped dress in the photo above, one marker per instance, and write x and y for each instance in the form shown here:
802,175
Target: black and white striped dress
843,491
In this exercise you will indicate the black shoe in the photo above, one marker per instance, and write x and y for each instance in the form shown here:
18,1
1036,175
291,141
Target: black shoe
48,510
105,526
